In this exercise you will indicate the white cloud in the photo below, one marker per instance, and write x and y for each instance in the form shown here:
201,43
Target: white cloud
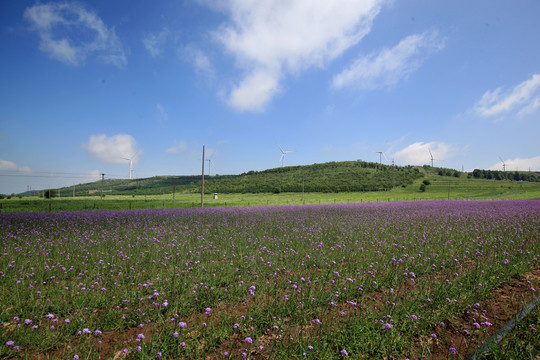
273,38
254,91
162,114
530,107
112,149
518,164
524,98
6,165
418,153
154,42
388,66
178,147
95,174
198,59
70,33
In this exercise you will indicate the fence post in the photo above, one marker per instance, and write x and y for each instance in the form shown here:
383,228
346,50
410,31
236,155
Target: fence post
49,206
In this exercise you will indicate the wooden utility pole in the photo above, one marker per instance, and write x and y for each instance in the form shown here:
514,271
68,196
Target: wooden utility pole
73,191
202,184
102,179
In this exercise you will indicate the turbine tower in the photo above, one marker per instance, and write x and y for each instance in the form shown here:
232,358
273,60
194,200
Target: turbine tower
381,153
283,152
503,164
130,159
431,157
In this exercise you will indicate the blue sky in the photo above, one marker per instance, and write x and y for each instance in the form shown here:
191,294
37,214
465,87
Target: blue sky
86,84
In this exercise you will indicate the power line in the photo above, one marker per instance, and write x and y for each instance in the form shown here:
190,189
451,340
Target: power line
55,175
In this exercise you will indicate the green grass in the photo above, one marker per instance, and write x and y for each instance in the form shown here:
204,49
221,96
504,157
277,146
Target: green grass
440,188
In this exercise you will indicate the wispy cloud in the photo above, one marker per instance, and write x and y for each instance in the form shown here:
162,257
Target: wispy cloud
114,149
155,42
388,66
176,148
6,165
521,164
94,174
162,114
418,153
524,99
200,61
274,38
70,33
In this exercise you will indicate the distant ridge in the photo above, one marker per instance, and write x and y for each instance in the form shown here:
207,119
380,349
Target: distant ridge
344,176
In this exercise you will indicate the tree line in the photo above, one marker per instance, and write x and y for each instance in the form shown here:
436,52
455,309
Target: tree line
506,175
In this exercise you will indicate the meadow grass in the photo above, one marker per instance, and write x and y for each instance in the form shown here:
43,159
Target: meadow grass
369,281
440,188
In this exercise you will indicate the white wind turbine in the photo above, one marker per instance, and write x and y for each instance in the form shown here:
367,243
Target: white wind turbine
503,164
130,159
381,153
431,157
283,152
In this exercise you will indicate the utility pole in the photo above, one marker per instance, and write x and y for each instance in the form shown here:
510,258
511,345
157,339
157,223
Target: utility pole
73,191
202,184
102,179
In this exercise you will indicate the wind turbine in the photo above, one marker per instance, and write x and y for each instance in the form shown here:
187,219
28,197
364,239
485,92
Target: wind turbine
210,166
283,152
130,159
431,157
381,153
503,164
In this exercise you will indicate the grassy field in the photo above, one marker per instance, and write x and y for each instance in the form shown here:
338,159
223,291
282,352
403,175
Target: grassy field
440,188
417,280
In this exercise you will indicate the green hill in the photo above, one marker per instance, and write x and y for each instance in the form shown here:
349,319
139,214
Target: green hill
346,176
331,177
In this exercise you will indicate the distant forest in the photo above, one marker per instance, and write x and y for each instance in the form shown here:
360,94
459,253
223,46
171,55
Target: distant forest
328,177
506,175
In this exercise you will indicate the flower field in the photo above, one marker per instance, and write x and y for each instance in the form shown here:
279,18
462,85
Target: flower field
366,281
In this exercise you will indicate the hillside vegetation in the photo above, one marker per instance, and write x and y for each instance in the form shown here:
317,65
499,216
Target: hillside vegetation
327,178
332,177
